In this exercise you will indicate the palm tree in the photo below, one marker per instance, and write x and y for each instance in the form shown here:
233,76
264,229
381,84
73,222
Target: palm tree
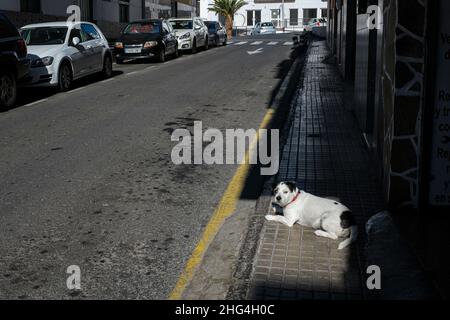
228,9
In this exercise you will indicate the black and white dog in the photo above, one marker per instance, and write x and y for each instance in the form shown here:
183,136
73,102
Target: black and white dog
330,218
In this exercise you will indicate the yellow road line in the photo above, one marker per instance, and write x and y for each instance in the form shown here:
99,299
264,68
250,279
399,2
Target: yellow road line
226,207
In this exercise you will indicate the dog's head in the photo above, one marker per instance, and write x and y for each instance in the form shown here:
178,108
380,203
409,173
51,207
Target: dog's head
284,193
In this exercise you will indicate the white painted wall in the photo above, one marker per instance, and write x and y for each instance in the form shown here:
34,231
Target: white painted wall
240,19
205,13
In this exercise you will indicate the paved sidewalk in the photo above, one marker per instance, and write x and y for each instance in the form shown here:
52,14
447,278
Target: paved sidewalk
325,154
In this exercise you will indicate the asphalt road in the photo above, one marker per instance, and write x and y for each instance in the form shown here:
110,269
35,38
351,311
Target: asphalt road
86,176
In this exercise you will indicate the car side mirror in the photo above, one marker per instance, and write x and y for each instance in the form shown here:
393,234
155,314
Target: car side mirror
76,41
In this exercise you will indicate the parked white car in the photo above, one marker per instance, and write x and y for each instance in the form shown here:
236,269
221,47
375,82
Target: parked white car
314,22
264,28
60,52
191,33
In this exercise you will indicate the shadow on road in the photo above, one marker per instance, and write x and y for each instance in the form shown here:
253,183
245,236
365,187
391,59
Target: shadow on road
254,182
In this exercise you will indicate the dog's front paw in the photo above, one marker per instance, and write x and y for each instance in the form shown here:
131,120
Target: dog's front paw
270,217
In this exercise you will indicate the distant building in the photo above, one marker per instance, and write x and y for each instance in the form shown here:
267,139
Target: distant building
109,15
294,13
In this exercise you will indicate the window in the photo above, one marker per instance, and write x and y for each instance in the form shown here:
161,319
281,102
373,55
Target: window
33,6
90,31
293,17
212,26
181,24
166,29
44,36
253,17
257,16
77,32
124,11
142,27
275,16
198,23
309,15
169,26
86,7
249,17
362,6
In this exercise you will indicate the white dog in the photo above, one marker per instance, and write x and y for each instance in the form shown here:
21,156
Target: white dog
330,218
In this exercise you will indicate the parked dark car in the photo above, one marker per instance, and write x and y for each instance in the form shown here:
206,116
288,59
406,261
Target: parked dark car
13,63
146,39
217,33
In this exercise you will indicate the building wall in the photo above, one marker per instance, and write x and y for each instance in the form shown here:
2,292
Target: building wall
105,12
396,64
10,5
240,19
404,125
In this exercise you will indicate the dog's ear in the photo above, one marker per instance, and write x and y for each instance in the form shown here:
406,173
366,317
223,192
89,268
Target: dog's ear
291,185
274,184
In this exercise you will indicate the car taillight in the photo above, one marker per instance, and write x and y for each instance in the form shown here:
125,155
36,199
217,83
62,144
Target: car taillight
22,47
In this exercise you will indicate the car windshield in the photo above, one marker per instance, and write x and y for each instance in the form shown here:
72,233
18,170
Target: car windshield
142,27
44,35
181,24
211,26
267,24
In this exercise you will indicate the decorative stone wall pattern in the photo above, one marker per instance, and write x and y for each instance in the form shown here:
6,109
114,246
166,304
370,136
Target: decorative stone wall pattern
403,102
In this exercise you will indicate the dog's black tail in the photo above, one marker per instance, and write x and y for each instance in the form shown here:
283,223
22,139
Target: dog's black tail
347,220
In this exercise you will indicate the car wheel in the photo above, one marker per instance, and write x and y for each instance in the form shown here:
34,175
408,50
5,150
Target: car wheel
177,53
119,61
225,41
162,55
194,46
107,67
8,90
217,41
206,47
65,77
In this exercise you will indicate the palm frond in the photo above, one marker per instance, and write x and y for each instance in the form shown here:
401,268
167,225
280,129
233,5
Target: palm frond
227,7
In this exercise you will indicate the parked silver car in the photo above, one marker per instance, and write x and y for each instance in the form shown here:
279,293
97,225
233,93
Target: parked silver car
264,28
191,33
61,52
217,33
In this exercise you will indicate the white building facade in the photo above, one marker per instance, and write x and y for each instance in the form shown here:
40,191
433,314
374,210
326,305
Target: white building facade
290,14
110,15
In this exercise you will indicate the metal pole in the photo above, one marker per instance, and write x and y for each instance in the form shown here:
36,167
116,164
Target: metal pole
282,14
